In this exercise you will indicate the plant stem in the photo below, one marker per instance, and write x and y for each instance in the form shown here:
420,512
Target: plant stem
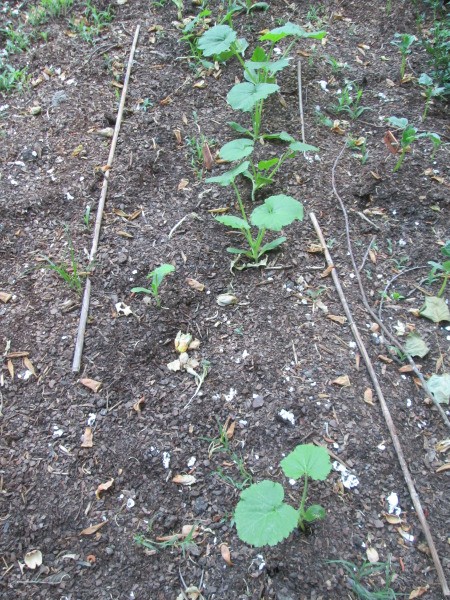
443,286
400,161
301,508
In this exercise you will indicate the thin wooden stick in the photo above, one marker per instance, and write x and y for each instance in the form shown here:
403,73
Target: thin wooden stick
387,415
101,205
300,100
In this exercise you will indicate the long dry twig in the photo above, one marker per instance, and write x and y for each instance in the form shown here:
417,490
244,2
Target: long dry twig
300,99
367,306
98,222
387,415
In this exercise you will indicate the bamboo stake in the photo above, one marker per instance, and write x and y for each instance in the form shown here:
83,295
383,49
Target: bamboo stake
387,415
300,98
101,205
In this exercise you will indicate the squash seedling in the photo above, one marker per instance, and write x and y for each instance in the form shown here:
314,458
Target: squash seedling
157,276
432,90
409,136
403,41
276,213
261,516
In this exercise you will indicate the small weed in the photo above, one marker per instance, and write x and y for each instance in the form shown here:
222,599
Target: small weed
16,40
409,136
183,541
316,14
349,99
443,268
359,148
247,5
336,65
90,25
432,90
68,272
87,216
361,579
437,47
196,146
11,78
146,104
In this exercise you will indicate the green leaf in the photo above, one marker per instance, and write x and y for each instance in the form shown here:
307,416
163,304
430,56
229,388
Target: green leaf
244,96
259,6
307,459
158,274
277,212
445,250
262,518
259,54
399,123
415,346
277,34
267,66
315,512
140,290
216,40
236,149
271,245
265,165
234,222
435,309
239,251
439,386
229,176
300,147
283,136
425,79
236,127
240,46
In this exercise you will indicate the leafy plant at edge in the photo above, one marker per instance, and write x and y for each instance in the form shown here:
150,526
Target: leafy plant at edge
274,214
368,570
221,43
432,90
157,276
261,516
437,47
403,41
441,267
70,273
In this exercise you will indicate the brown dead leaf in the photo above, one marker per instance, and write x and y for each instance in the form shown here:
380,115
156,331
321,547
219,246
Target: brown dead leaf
407,78
385,359
372,555
135,214
87,438
374,327
444,467
373,256
196,285
92,384
336,128
183,184
230,430
337,319
418,592
200,84
17,354
392,519
5,297
125,234
93,528
208,161
103,487
177,134
184,479
391,142
218,211
226,555
375,175
29,365
406,369
368,396
10,367
139,405
165,101
343,381
314,248
327,271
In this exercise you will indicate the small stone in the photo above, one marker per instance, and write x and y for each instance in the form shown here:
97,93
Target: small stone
258,401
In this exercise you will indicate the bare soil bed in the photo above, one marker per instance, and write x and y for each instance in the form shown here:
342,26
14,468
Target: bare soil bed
276,348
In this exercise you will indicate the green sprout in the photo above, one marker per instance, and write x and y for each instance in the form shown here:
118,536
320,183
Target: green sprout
404,42
349,99
409,135
68,272
367,571
157,276
87,216
261,516
432,90
443,268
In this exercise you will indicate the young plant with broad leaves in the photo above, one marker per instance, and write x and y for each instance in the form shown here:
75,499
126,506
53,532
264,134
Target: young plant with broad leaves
409,135
431,90
404,42
441,269
157,276
276,212
261,515
260,72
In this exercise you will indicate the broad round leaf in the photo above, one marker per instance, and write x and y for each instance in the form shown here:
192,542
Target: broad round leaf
307,459
158,274
229,176
244,96
216,40
435,309
277,34
439,386
236,149
401,123
234,222
301,147
314,513
262,518
415,346
277,212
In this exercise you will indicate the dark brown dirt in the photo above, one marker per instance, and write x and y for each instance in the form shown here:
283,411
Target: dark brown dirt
275,349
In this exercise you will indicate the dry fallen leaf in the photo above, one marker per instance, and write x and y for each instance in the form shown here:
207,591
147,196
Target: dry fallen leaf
372,555
93,528
406,369
314,248
184,479
33,559
103,487
177,134
230,430
418,592
392,519
183,184
87,438
444,467
92,384
327,271
368,396
208,161
385,359
139,405
391,142
196,285
343,381
29,365
10,367
337,319
225,552
5,297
